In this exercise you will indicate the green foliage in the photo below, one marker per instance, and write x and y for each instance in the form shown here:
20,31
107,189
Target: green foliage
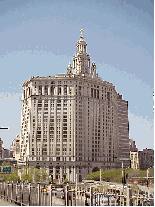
6,164
66,180
13,176
107,175
115,175
34,174
151,170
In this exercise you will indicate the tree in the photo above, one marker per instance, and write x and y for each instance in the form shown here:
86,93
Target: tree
66,180
34,174
13,176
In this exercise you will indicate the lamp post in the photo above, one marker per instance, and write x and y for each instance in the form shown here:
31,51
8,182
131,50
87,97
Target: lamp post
148,179
122,176
123,173
75,179
4,128
74,171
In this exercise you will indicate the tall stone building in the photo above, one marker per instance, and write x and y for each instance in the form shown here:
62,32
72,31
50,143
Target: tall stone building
74,123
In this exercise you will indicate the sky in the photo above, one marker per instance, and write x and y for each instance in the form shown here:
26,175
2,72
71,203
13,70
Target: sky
38,37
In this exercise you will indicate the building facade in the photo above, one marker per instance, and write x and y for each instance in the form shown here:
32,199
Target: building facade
146,158
134,160
6,153
132,146
74,123
15,147
1,148
134,157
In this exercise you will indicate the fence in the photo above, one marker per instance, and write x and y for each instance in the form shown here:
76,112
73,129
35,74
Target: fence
71,195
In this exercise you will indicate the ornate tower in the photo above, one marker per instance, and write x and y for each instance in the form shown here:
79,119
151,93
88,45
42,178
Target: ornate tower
81,60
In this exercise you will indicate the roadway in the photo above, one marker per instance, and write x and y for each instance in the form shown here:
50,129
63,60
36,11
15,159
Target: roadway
5,203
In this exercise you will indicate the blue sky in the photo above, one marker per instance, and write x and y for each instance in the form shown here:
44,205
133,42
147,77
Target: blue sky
39,38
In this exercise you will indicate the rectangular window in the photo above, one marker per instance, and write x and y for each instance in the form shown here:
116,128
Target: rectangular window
108,96
91,92
40,90
80,90
94,93
59,90
65,90
52,90
46,90
97,94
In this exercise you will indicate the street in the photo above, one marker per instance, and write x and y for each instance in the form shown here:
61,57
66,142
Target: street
5,203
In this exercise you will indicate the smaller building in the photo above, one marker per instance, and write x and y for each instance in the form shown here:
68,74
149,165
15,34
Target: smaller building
146,158
15,147
11,161
17,151
12,145
132,146
134,160
1,148
6,153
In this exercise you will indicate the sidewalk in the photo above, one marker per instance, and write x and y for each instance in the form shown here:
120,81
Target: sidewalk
5,203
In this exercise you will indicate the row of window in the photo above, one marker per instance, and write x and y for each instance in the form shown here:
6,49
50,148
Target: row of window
47,88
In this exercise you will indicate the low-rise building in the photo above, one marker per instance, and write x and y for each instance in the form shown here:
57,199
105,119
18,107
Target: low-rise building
17,150
6,153
1,148
134,160
146,158
132,146
15,147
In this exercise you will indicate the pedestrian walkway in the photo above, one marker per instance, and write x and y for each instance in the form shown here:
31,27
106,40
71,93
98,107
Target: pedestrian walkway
6,203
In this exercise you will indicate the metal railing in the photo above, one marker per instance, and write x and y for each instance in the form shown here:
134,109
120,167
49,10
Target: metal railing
29,194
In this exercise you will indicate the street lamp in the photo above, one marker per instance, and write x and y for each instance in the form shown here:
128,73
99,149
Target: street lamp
4,128
148,179
123,173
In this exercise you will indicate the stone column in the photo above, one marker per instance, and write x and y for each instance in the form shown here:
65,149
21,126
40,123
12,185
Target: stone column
55,129
49,91
61,130
67,173
43,90
54,172
72,174
48,173
61,174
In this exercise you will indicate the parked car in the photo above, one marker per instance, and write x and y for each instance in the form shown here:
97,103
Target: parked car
111,185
